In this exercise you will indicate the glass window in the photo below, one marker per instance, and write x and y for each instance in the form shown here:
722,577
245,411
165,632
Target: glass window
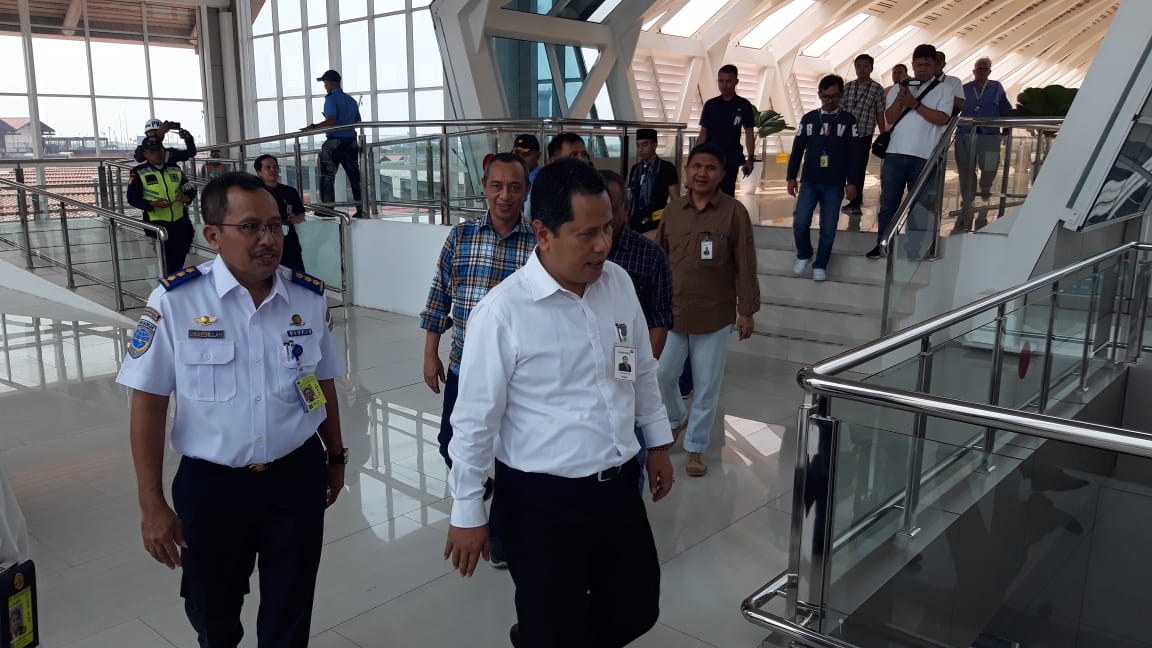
65,117
350,9
62,67
774,23
420,3
175,71
12,53
268,117
295,116
317,57
119,69
288,14
392,106
603,108
292,74
391,59
430,104
691,17
356,73
388,6
265,57
262,21
317,12
190,114
429,70
121,122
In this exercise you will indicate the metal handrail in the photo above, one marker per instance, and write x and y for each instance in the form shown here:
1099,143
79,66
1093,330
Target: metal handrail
108,215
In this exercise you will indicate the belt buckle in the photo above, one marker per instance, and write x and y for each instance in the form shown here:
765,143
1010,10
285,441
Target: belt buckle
258,467
609,474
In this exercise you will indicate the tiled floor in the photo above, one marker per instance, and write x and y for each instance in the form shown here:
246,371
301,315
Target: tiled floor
382,582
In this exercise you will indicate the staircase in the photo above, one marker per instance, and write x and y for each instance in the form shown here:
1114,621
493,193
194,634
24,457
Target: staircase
803,321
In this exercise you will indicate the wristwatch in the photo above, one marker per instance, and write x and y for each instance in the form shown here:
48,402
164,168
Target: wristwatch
338,459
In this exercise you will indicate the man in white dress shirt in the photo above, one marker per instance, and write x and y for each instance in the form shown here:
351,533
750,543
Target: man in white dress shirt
244,344
542,396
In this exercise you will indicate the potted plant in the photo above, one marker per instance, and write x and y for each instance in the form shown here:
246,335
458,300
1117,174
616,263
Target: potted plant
1049,101
768,123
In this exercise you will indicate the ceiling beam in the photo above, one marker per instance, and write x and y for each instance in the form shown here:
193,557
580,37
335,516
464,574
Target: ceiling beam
1037,26
72,17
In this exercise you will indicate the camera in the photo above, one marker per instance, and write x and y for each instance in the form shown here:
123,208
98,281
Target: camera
911,83
173,125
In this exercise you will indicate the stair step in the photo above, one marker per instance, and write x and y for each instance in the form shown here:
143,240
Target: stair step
819,323
796,346
768,236
843,265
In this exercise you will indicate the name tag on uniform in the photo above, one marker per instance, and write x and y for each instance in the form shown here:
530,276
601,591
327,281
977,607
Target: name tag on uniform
736,120
311,397
824,161
625,358
706,249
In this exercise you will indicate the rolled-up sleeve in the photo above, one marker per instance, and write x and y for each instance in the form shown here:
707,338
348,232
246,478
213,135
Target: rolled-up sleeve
485,371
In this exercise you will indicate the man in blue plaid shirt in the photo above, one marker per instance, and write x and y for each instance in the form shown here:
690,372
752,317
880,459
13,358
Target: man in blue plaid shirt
477,256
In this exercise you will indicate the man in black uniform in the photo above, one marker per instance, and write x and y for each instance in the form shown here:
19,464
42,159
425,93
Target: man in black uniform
721,123
291,209
158,188
154,128
651,182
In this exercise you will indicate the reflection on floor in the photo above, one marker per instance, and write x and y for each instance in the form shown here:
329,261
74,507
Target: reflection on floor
382,581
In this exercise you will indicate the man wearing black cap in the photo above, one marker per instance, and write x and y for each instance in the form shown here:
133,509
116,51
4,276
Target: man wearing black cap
340,150
651,182
528,148
158,188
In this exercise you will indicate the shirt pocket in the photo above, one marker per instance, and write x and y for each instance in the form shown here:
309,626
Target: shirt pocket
207,370
289,370
721,250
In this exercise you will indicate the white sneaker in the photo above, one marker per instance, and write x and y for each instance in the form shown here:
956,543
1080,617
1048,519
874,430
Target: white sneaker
819,275
800,266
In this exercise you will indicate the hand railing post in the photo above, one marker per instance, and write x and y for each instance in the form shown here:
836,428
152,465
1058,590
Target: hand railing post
1086,352
967,202
428,162
67,246
994,388
161,257
298,160
366,172
445,171
103,186
799,503
22,210
117,282
1119,290
1046,377
1005,171
916,448
1138,311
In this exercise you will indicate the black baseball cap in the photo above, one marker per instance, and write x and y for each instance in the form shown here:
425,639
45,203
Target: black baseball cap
526,142
330,75
151,143
646,134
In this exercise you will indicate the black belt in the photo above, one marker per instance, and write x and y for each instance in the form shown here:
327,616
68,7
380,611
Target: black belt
608,474
259,467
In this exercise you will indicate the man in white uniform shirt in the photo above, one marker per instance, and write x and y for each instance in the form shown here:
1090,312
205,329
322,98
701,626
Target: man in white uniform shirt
244,345
920,115
544,395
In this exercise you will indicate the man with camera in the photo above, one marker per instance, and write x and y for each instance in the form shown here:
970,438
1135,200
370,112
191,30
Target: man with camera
156,129
918,109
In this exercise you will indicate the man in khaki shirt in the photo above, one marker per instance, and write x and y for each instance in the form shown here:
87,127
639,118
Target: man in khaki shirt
708,237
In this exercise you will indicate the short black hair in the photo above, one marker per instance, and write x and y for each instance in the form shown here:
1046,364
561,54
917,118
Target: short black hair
941,58
831,80
728,68
708,148
258,163
508,158
214,198
901,66
865,57
556,184
560,140
613,178
924,51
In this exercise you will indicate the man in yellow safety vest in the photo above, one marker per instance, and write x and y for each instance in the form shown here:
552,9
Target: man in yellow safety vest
159,189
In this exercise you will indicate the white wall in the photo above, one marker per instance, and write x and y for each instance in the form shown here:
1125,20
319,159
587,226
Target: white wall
392,264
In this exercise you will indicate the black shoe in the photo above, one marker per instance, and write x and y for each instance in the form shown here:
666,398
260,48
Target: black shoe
514,635
874,253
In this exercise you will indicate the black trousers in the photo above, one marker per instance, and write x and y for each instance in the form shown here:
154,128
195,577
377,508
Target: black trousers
293,255
180,235
862,149
582,557
728,184
233,516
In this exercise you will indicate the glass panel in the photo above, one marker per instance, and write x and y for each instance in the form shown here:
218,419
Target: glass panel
420,3
61,66
295,115
353,9
175,72
430,104
527,78
356,73
392,106
190,114
391,59
590,10
262,21
429,70
288,14
115,63
317,61
388,6
317,12
1126,189
121,122
320,242
265,55
293,79
64,119
268,117
12,51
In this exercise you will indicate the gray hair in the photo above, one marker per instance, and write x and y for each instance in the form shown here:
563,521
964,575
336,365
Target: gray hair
983,59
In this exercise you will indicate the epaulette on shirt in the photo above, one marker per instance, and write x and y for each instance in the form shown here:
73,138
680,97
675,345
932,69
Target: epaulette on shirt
173,281
308,281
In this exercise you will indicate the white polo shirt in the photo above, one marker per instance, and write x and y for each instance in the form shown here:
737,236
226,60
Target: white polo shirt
914,135
537,383
232,365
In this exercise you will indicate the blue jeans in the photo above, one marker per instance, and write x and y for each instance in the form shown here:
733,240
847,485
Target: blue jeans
897,175
828,197
709,353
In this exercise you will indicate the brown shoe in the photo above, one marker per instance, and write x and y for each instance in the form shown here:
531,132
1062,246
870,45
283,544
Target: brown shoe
679,430
696,466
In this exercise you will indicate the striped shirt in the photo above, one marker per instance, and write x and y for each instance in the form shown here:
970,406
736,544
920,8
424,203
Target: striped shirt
474,260
647,265
863,101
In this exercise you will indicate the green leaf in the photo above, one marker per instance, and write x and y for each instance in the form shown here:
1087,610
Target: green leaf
770,122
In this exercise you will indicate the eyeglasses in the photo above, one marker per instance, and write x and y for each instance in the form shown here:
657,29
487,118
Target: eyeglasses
253,230
830,97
